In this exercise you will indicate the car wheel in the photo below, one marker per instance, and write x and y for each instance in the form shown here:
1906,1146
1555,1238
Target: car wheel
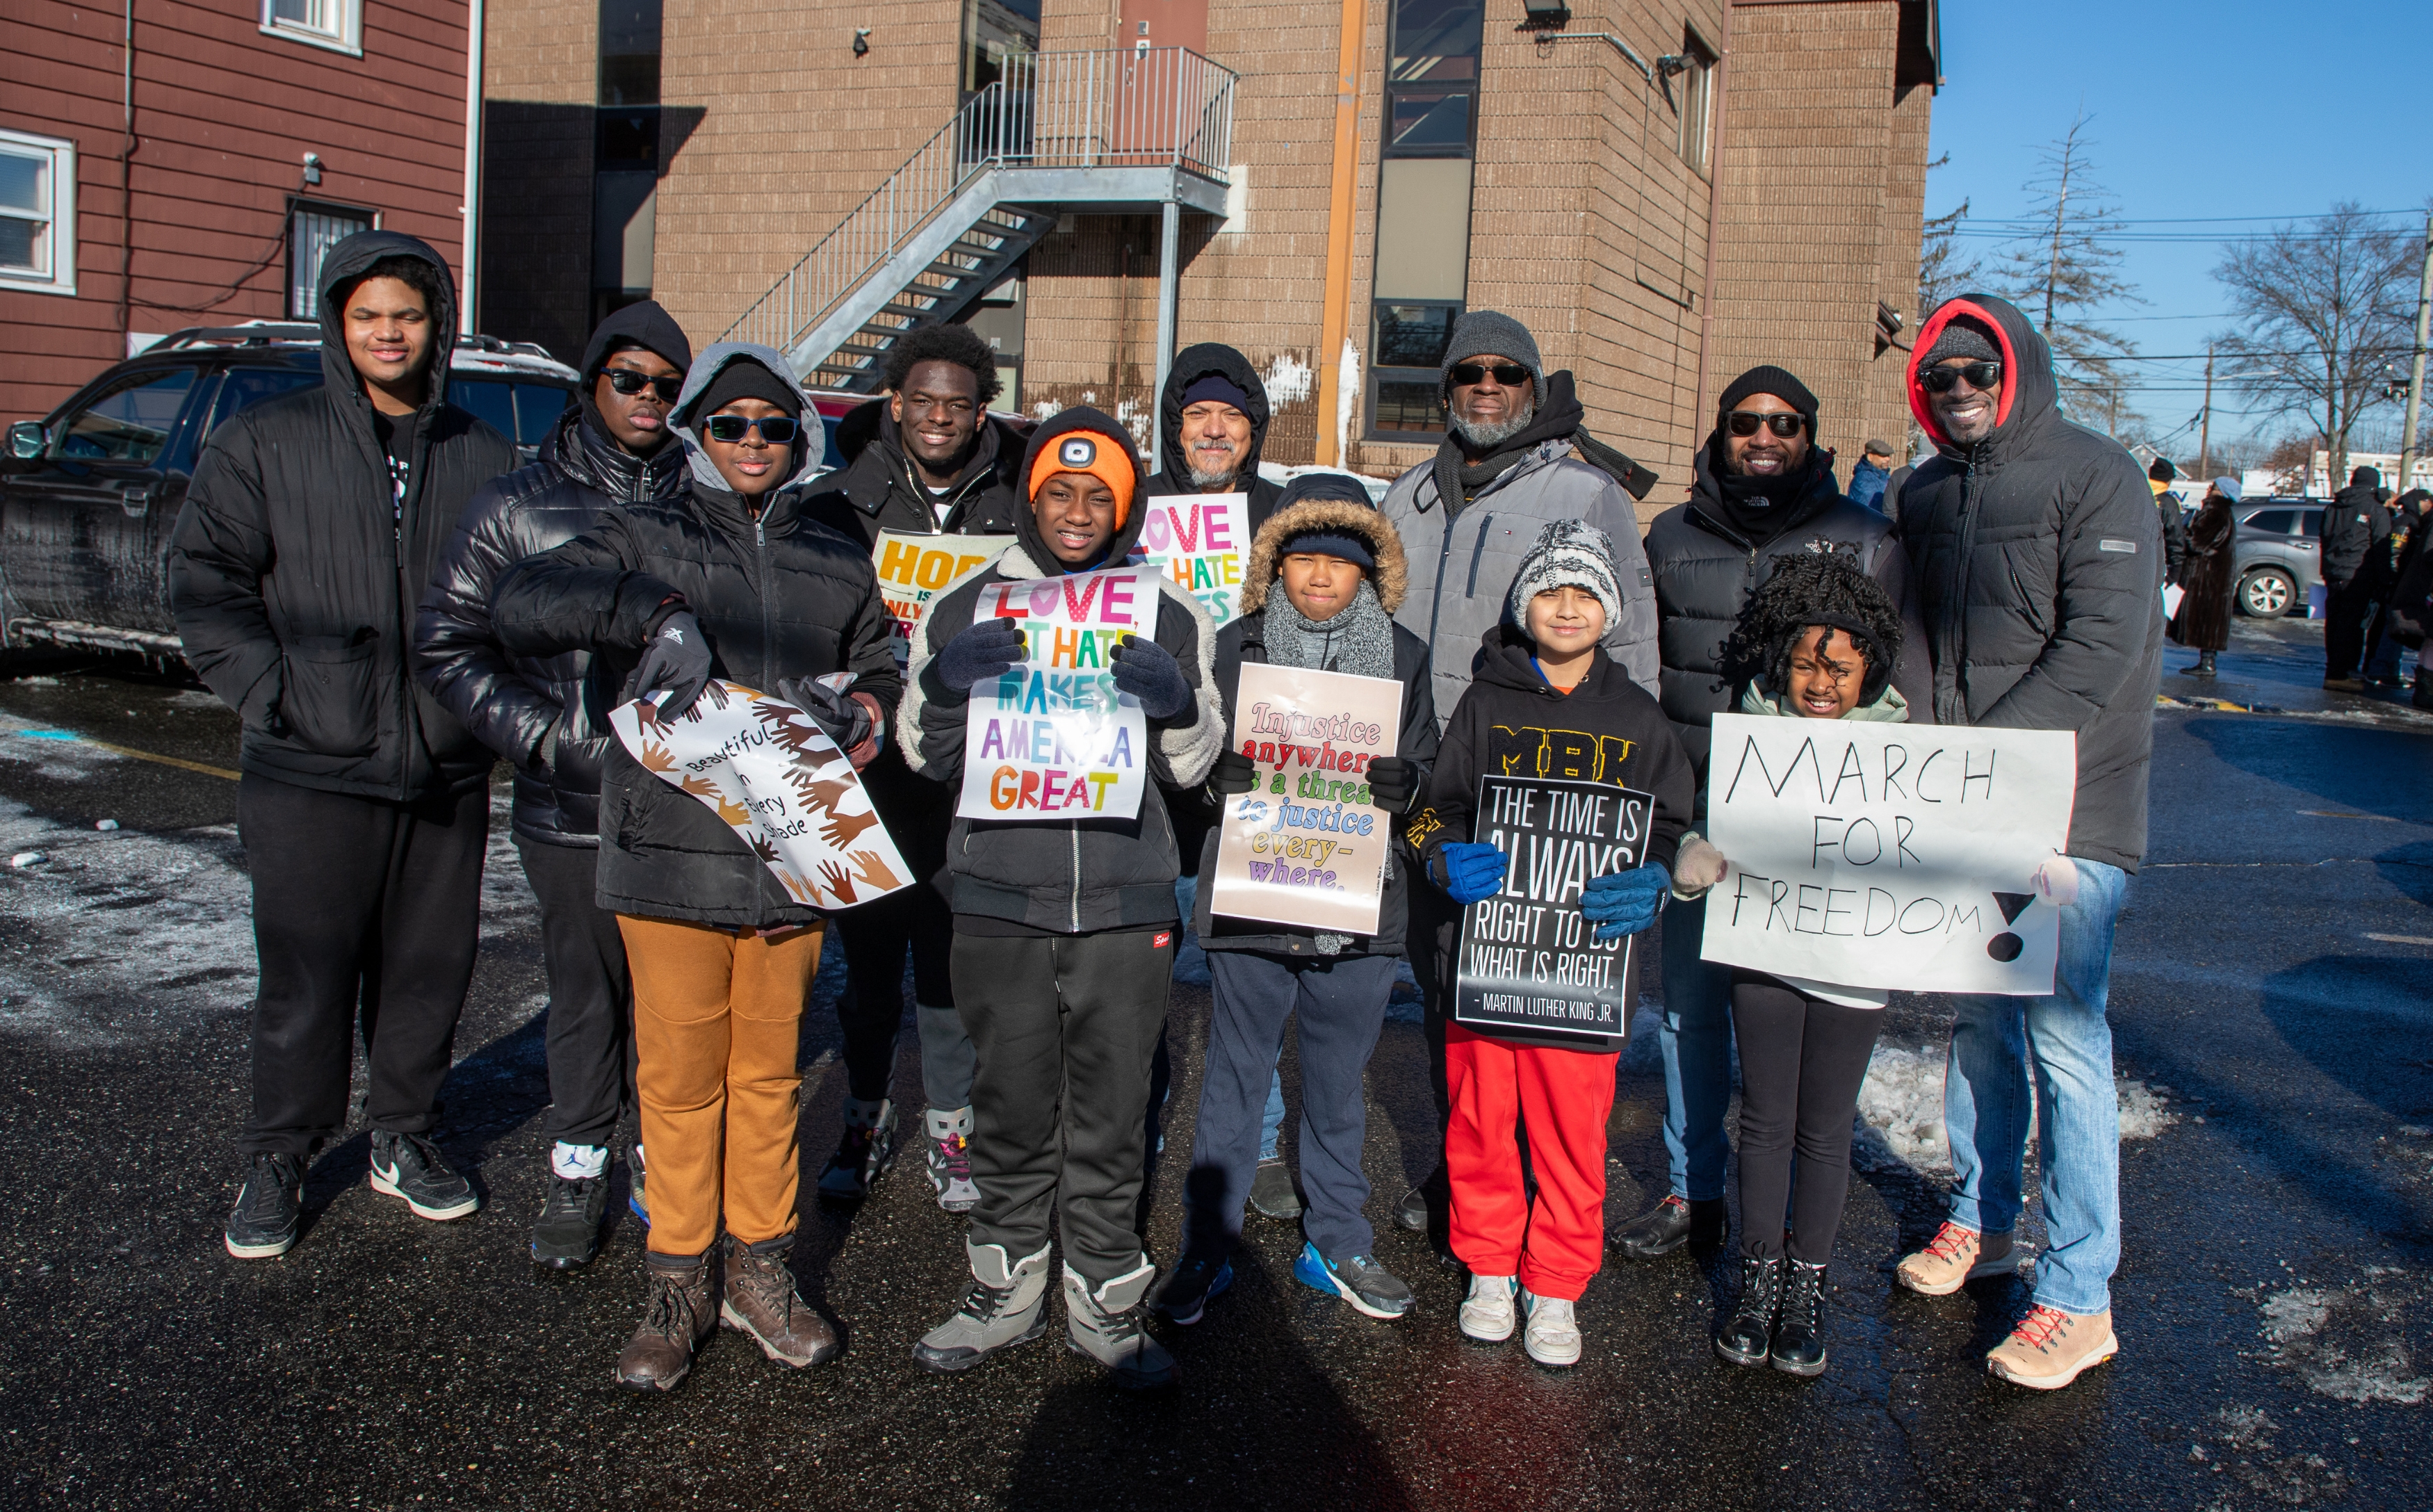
2265,593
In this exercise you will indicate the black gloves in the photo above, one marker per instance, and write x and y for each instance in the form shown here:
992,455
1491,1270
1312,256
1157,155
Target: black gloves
841,716
1392,783
1147,672
987,649
677,660
1233,773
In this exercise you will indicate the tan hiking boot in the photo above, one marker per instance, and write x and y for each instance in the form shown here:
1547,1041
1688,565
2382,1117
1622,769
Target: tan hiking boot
1953,1258
681,1312
2050,1349
761,1304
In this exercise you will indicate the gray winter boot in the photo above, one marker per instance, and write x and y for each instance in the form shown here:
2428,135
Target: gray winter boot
1007,1305
1104,1322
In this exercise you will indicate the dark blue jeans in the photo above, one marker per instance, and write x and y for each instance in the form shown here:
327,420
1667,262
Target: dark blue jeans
1342,1004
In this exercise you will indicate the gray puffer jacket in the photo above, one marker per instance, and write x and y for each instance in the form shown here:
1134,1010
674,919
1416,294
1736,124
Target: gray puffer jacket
2038,557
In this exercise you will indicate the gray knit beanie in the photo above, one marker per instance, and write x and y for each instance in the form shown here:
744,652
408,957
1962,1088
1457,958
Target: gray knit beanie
1963,337
1483,332
1569,552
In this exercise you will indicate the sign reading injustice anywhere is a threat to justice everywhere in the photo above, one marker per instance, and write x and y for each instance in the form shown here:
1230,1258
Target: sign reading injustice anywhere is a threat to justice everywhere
1054,737
1304,847
915,571
779,782
1888,856
1201,541
1529,959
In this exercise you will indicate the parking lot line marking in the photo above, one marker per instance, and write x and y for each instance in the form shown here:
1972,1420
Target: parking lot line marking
180,762
2401,940
2343,813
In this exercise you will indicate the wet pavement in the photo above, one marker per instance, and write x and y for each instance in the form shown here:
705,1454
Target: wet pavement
2274,1300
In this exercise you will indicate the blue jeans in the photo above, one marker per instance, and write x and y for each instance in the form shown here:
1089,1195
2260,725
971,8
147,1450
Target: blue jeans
2066,1039
1695,1037
1271,1118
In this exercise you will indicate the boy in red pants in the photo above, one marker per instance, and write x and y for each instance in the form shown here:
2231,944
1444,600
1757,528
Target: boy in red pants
1543,684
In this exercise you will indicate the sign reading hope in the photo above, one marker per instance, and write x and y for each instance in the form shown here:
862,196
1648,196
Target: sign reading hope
1888,856
1054,737
915,572
1304,847
1199,540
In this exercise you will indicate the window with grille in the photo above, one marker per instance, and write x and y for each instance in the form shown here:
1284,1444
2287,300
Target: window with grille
334,24
311,230
37,213
1422,268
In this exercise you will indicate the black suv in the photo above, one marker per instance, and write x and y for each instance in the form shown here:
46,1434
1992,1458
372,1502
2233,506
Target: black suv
90,493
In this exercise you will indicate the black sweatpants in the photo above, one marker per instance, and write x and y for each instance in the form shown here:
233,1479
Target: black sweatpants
1802,1060
2346,611
364,911
875,935
1340,1004
1065,1026
590,1040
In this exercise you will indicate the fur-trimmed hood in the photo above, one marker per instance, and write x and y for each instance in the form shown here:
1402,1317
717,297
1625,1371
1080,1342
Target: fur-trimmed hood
1391,580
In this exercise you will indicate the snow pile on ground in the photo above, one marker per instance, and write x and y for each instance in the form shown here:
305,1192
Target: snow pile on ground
1900,1110
2313,1330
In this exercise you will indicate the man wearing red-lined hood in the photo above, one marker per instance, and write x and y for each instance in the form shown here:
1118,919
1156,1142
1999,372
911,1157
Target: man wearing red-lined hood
2038,557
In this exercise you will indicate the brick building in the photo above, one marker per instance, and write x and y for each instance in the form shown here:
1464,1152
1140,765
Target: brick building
166,163
1665,193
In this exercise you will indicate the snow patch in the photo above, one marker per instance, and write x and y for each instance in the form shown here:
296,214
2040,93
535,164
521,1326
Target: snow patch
2344,1341
1135,416
1347,397
1287,379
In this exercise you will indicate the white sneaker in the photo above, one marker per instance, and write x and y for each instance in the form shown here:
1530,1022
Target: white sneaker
1552,1337
1486,1314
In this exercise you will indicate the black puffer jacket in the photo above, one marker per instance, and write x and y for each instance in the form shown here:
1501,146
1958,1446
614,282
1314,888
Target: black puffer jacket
542,714
1705,570
875,489
2353,525
1191,365
776,595
2039,563
293,570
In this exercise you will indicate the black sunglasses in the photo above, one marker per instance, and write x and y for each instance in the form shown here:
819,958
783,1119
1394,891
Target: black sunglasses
626,381
1745,422
775,429
1511,375
1982,376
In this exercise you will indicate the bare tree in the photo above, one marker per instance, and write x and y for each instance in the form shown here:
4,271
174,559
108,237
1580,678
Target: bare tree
2319,312
2065,271
1943,272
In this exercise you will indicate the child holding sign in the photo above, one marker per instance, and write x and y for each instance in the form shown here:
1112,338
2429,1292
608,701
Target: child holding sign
1545,701
1821,639
1065,926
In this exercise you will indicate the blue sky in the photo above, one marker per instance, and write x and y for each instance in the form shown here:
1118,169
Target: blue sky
2229,109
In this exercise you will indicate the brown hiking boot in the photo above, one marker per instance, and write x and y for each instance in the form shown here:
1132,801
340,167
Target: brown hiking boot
1953,1258
679,1314
761,1304
2049,1349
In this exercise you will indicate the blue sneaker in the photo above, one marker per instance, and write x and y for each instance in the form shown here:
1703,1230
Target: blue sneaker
633,1202
1359,1281
1194,1280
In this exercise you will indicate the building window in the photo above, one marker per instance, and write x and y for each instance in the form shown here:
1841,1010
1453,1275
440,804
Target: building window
311,230
1696,92
337,25
994,29
1423,239
37,178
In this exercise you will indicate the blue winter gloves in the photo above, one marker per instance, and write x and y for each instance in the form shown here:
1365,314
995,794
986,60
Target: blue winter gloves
1470,872
1624,903
986,648
1147,672
1393,782
676,660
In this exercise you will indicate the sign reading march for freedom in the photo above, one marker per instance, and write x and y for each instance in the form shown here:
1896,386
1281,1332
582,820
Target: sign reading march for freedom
1054,737
1199,540
915,571
1304,847
779,782
1888,856
1529,959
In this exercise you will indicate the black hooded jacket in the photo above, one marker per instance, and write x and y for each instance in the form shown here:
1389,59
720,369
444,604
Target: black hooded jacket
1191,365
777,596
294,569
2353,525
542,714
2038,556
1706,569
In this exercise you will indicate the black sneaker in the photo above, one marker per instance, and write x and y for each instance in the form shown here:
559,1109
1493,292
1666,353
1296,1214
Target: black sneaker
269,1206
566,1233
1194,1280
1360,1280
863,1155
411,1167
1431,1196
1272,1193
1669,1225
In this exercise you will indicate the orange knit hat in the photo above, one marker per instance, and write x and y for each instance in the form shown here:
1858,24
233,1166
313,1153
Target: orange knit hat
1100,456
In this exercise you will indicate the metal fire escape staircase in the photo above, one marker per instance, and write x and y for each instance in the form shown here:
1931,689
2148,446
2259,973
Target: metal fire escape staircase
1105,131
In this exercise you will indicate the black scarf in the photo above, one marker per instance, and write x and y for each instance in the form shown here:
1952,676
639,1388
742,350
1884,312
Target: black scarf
1761,508
1458,477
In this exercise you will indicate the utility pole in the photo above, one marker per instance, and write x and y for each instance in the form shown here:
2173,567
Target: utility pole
2204,422
2116,411
2416,367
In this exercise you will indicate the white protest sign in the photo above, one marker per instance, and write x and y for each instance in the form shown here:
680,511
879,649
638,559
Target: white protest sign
915,572
779,782
1888,856
1054,737
1201,541
1304,847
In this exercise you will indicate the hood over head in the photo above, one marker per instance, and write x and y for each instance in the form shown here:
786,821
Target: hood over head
1331,514
703,377
2365,477
643,324
1129,515
2029,393
348,260
1209,359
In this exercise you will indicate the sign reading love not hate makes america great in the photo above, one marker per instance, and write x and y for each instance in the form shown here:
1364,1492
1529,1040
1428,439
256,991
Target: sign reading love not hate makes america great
1529,959
1201,541
1888,856
1304,847
1054,737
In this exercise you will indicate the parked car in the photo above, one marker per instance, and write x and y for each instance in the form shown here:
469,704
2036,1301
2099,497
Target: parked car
90,493
2276,555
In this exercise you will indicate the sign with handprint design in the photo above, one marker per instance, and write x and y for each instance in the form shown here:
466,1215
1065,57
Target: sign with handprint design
773,776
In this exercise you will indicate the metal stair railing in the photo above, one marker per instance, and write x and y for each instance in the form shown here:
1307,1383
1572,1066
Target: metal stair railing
1151,108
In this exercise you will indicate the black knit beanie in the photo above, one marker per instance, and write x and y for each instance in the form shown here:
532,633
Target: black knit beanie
1773,380
743,378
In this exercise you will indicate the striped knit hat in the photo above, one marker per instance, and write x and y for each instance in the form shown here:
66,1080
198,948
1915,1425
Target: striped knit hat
1570,552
